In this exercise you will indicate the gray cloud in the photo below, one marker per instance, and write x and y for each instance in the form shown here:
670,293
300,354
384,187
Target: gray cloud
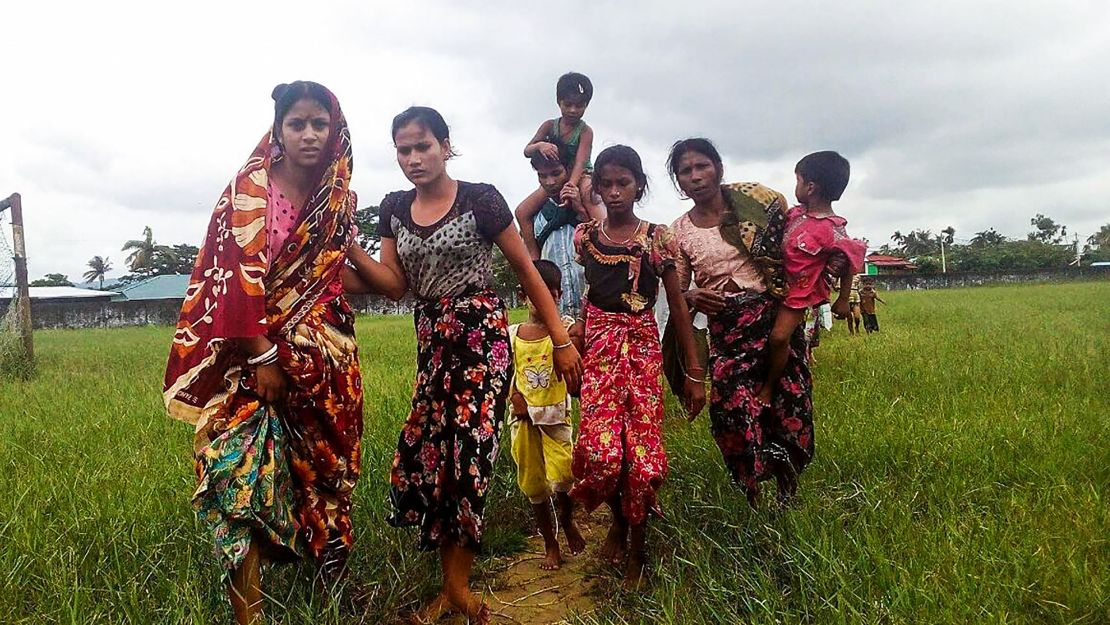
974,114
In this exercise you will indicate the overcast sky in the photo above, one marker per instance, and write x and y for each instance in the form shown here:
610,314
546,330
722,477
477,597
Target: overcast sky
967,113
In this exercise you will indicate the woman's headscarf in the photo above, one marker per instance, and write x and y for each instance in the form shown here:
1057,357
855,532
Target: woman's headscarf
235,291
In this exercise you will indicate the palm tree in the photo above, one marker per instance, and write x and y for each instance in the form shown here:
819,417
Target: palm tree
990,236
1100,239
949,235
142,250
98,266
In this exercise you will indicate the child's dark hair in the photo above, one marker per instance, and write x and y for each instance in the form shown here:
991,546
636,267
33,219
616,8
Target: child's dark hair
573,83
566,159
828,170
550,274
429,119
621,156
286,95
700,145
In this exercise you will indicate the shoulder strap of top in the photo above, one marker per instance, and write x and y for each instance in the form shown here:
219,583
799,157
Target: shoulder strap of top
576,133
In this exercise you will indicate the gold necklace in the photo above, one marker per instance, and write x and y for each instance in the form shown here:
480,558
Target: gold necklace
604,233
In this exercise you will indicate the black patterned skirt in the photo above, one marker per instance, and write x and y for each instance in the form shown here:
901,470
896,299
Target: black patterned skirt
757,442
443,466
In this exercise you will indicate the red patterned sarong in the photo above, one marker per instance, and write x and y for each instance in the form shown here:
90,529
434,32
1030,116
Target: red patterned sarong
620,438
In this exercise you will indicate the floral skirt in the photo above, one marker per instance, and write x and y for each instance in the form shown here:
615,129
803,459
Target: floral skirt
443,466
757,442
283,474
620,437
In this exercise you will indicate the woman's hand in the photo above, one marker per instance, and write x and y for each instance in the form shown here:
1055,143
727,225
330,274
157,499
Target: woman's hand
838,264
764,395
695,398
271,383
841,308
704,301
568,366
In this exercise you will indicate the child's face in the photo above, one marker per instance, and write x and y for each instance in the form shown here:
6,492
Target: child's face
617,187
552,178
573,107
555,295
804,191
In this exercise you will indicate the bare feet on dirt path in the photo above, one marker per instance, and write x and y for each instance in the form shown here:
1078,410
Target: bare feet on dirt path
525,592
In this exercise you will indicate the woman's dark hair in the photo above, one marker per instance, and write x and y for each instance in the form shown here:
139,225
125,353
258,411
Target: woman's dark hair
700,145
621,156
573,83
286,95
828,170
428,118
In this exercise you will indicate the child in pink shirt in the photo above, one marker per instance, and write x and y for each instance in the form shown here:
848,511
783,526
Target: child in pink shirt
814,246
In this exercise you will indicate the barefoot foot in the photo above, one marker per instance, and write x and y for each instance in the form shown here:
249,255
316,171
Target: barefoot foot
633,572
575,541
615,547
552,560
432,611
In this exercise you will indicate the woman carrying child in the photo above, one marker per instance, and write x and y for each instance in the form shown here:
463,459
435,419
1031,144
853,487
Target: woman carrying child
619,457
439,237
730,243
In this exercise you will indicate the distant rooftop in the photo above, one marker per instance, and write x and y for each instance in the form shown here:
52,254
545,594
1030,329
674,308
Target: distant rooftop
157,287
57,293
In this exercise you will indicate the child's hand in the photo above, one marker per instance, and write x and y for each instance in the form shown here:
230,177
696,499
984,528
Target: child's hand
520,407
549,150
695,398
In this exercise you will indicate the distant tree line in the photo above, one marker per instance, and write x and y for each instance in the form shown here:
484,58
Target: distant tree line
1046,246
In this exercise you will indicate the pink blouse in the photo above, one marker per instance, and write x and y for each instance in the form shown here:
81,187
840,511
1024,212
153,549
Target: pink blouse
281,218
713,261
806,247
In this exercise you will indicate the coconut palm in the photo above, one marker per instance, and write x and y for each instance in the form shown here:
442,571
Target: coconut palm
142,250
98,266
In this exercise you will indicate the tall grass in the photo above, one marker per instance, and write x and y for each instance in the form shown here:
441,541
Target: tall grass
962,467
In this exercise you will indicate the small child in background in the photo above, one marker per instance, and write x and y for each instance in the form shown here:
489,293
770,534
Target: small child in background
568,138
853,307
867,297
814,245
541,429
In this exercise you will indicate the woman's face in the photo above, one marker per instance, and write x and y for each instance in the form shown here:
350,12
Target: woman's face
421,156
698,177
304,133
618,188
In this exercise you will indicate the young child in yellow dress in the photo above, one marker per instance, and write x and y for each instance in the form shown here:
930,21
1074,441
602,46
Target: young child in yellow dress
541,429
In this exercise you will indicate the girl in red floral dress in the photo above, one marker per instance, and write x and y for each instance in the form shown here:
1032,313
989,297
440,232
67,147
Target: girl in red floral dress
619,457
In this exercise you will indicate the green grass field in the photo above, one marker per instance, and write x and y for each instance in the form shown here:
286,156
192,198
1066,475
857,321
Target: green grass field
962,473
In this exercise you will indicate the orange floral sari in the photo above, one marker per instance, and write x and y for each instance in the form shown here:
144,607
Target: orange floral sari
282,472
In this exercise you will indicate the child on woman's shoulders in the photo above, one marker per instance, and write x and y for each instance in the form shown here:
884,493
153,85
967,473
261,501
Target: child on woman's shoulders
567,138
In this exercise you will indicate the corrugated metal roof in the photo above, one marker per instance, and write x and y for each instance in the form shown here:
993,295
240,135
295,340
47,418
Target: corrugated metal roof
157,287
57,292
